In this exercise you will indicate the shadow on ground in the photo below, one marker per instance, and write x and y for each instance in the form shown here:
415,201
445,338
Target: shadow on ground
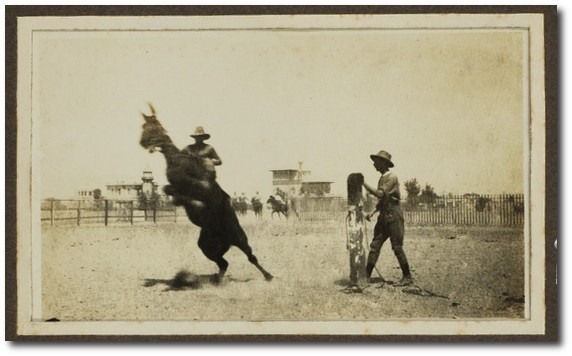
185,280
345,282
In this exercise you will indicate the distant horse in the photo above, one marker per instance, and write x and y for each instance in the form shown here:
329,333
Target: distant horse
193,186
240,206
257,207
483,204
292,203
277,207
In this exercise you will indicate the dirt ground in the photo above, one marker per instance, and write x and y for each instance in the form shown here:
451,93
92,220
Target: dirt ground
126,273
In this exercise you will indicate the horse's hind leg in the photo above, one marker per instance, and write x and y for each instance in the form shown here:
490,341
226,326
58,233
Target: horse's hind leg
242,244
298,216
252,259
237,237
292,209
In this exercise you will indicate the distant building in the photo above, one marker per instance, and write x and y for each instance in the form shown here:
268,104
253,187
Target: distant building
295,182
289,180
148,187
316,188
86,194
124,191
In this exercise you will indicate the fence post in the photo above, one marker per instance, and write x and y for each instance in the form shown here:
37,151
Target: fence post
106,216
78,212
52,212
175,212
131,212
355,231
502,209
154,211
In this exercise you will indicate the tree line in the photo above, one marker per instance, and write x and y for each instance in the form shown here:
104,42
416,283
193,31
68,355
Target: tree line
416,195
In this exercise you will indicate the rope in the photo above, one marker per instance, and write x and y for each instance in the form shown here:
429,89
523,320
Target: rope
414,289
422,292
353,289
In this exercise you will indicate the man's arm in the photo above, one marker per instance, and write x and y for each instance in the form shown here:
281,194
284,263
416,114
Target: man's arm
378,193
214,157
388,186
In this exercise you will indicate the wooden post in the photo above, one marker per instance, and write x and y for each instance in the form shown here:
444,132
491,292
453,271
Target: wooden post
355,231
131,212
154,211
106,216
78,212
51,212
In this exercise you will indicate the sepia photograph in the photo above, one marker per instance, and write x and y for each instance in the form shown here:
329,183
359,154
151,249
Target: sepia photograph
236,173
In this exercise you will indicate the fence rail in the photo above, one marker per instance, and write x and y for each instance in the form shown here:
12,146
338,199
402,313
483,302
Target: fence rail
505,210
500,210
80,212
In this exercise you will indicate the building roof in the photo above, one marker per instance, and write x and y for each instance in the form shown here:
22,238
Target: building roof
130,185
290,170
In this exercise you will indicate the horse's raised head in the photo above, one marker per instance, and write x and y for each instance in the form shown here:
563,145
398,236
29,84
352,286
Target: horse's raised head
154,135
151,117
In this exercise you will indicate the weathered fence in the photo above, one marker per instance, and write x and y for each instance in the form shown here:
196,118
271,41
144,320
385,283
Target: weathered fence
499,210
505,210
321,208
104,211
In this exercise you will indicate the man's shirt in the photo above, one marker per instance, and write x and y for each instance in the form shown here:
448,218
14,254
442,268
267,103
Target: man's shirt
389,184
204,151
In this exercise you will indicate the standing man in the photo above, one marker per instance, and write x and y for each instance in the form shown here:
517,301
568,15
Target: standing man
390,222
201,149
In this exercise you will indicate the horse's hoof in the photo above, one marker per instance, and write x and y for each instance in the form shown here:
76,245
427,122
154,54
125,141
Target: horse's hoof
216,279
268,277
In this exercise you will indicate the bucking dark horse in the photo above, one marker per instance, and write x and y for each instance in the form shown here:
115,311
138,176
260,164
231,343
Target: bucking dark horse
193,185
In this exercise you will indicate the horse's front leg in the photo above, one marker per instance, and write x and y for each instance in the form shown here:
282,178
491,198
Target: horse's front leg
209,243
221,272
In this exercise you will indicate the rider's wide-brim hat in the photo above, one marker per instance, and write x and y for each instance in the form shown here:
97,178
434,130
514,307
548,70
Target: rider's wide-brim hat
383,155
200,133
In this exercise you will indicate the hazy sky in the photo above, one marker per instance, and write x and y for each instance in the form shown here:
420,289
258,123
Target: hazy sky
448,105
